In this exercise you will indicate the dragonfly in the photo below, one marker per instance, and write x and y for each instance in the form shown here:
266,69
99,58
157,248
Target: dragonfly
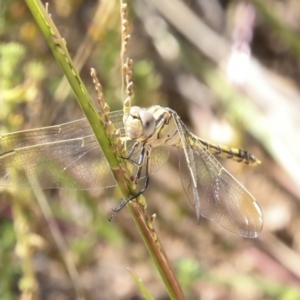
69,156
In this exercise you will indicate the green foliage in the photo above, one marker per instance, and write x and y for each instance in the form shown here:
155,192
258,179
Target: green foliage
188,271
11,55
144,291
147,82
9,272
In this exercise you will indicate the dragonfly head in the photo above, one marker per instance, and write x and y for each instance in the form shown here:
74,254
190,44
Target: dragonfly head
139,123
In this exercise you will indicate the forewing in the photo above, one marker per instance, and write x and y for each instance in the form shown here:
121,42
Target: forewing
75,163
62,156
223,198
71,130
188,166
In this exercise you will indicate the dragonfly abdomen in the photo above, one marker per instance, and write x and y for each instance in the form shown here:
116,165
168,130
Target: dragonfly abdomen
235,154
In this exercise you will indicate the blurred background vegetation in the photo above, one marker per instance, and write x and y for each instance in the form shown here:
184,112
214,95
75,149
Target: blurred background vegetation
231,71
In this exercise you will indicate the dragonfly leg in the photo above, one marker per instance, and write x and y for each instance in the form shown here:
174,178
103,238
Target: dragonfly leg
130,153
141,157
144,155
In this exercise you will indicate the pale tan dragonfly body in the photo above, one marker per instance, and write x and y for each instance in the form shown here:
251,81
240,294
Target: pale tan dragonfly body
68,156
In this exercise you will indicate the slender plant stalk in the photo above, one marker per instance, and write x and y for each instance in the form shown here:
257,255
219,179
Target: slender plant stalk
143,222
28,284
60,242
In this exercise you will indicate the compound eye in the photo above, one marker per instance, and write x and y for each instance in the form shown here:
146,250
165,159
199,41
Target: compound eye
148,121
135,110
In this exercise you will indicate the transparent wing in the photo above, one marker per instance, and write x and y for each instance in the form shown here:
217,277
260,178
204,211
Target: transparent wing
62,156
190,165
72,130
222,198
75,163
158,157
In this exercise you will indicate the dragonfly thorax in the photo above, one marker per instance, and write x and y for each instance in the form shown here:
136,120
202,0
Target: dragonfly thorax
154,126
